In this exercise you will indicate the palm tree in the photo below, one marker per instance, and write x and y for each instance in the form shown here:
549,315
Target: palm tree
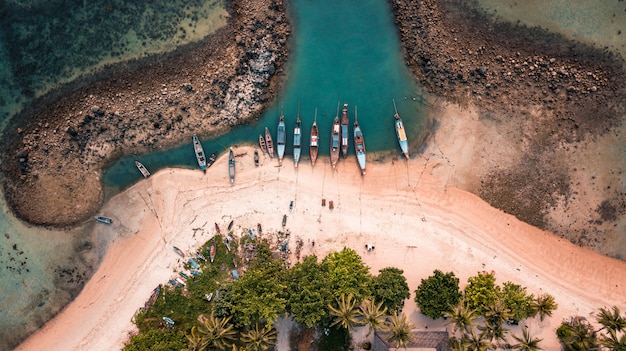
196,342
611,320
461,317
217,332
495,316
544,305
458,344
400,329
526,342
345,313
477,342
259,339
372,314
613,342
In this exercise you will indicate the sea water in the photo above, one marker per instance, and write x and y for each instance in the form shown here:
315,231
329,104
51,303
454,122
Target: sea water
343,51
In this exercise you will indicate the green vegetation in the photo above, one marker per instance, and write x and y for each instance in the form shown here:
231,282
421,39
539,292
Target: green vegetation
390,288
578,334
437,294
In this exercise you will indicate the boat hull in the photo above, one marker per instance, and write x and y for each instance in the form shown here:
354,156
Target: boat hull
334,142
281,139
401,135
269,143
297,143
231,165
345,133
199,151
359,146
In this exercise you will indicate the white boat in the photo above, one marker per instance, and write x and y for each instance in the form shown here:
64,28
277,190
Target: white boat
297,140
281,136
359,144
144,171
199,151
401,133
345,134
231,165
103,219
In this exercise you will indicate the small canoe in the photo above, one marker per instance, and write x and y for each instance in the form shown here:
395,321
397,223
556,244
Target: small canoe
180,281
259,229
359,144
217,228
212,251
193,263
103,219
230,225
196,272
269,143
212,159
200,256
199,151
314,146
256,158
251,233
262,144
179,251
144,171
227,243
185,276
284,220
231,165
344,131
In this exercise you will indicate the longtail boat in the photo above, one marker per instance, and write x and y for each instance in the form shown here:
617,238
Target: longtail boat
197,148
281,137
401,133
212,250
231,165
144,171
269,143
230,225
259,228
345,134
297,140
256,158
179,251
103,219
359,143
211,160
217,228
335,137
262,144
313,146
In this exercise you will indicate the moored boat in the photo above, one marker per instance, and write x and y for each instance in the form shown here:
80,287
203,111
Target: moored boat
230,225
256,158
401,133
262,144
297,140
281,137
179,251
345,134
335,137
144,171
359,143
211,160
269,143
231,165
212,251
200,157
313,146
217,228
259,228
103,219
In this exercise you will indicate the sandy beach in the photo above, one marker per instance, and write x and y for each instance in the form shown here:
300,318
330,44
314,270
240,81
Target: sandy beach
407,210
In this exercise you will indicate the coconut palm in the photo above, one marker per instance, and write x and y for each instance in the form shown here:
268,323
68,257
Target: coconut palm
611,320
477,342
259,339
458,344
461,317
372,315
217,332
345,313
544,305
613,342
526,342
195,341
495,315
400,329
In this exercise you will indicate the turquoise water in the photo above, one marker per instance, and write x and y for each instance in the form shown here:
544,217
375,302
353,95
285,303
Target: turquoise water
355,59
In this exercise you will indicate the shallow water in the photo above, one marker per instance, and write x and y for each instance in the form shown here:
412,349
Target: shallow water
344,51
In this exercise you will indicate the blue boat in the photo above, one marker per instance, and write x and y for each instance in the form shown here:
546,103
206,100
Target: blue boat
251,234
235,274
183,275
281,138
170,323
359,144
194,264
173,283
196,273
401,133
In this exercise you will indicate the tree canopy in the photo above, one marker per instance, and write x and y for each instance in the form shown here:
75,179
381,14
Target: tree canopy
390,288
309,295
438,294
481,292
347,274
517,300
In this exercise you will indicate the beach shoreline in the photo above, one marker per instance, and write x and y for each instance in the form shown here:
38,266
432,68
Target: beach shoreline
415,220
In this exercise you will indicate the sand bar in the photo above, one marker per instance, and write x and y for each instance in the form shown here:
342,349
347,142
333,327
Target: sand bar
413,219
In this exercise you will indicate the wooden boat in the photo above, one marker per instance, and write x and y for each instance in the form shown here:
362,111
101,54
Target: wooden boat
259,228
227,243
211,160
269,143
335,137
212,251
197,148
230,225
262,144
231,165
183,275
313,146
281,138
179,251
297,140
103,219
144,171
345,134
256,158
401,133
359,144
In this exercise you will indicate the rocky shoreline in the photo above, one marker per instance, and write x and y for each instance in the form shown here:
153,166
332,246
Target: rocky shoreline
57,150
545,94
